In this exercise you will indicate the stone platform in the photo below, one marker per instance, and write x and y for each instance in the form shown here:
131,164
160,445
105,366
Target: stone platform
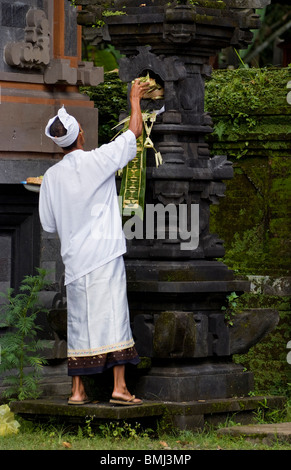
183,415
269,433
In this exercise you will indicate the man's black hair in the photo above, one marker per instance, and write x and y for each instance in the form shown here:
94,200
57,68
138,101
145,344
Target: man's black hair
57,129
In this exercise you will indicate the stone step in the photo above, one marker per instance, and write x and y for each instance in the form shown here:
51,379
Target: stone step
275,432
58,407
183,415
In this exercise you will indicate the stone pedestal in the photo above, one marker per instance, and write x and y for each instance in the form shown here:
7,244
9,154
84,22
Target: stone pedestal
184,382
179,324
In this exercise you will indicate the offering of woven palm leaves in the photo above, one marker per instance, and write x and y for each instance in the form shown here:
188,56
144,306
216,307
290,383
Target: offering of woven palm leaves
133,182
155,91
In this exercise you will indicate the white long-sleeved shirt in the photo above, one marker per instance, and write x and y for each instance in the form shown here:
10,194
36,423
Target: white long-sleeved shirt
78,200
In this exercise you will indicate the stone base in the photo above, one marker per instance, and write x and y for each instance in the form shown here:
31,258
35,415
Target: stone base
185,383
184,416
268,433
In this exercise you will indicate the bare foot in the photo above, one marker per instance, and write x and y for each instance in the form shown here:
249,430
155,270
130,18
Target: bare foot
78,398
78,390
120,391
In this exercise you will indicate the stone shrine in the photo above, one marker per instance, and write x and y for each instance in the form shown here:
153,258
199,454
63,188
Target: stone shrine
176,287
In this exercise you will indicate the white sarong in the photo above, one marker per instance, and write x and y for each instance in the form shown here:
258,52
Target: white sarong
98,314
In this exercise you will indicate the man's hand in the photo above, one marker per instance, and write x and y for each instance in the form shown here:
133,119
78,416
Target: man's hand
138,90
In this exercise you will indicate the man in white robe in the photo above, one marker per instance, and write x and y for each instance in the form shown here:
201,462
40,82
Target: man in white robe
78,200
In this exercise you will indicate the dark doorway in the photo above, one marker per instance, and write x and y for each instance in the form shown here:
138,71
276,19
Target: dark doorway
19,235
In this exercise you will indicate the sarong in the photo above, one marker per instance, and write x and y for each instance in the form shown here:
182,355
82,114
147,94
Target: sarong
98,326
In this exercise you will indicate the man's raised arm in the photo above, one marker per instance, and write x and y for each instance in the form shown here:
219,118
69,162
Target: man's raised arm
137,91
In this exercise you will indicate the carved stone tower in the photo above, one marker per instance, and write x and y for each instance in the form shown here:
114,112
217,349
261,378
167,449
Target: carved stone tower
176,290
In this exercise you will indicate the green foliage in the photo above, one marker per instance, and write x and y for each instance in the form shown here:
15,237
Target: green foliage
113,13
241,92
247,254
238,100
20,344
230,308
117,430
206,3
252,127
35,436
105,56
254,218
110,98
265,414
268,358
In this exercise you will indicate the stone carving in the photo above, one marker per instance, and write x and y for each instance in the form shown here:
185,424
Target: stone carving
34,51
179,26
89,75
60,71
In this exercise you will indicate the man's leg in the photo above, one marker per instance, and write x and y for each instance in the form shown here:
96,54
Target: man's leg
120,389
78,389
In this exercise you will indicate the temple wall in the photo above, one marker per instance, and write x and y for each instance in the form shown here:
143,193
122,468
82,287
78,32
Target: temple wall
40,70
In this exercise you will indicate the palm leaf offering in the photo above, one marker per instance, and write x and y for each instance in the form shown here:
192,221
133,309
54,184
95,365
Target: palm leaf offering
155,91
133,184
33,183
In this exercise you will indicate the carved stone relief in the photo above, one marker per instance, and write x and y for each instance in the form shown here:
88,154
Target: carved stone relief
34,51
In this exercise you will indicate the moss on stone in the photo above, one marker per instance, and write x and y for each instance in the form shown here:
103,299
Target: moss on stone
253,128
218,4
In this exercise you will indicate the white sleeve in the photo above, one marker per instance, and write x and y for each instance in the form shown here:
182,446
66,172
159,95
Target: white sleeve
46,214
116,154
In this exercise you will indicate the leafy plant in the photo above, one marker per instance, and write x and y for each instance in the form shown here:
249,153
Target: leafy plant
110,98
119,430
241,103
20,344
230,308
271,351
247,250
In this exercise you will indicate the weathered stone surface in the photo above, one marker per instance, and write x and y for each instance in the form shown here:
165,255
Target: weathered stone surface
248,3
277,432
143,328
57,319
250,327
181,382
15,137
175,335
191,416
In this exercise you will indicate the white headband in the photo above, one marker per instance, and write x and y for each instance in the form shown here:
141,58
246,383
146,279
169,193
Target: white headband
69,123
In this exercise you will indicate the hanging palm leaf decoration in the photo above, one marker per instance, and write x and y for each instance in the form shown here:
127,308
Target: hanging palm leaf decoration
133,183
